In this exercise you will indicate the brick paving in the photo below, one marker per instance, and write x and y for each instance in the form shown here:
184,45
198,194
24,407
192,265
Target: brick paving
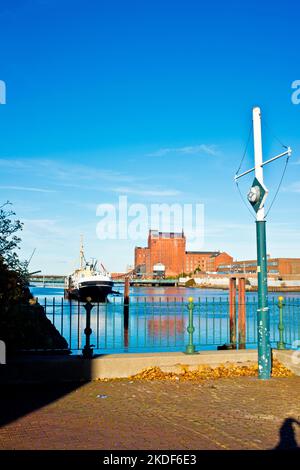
239,413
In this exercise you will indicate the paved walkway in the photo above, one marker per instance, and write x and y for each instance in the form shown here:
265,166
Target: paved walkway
241,413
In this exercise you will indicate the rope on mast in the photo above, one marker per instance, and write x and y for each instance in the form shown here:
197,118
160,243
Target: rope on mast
283,173
285,166
237,171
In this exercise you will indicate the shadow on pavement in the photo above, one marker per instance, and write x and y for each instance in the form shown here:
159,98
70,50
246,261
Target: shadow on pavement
287,435
17,400
28,383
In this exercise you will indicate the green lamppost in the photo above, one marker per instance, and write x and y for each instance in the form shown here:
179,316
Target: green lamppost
257,196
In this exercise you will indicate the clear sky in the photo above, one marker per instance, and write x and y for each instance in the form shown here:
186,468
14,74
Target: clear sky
150,100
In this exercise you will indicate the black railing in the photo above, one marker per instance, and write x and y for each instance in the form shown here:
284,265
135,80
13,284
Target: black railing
160,324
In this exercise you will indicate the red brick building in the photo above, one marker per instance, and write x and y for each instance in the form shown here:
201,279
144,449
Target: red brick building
169,249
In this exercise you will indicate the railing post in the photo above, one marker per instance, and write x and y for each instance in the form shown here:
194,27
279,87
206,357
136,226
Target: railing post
280,344
242,313
190,349
232,312
87,351
126,310
126,303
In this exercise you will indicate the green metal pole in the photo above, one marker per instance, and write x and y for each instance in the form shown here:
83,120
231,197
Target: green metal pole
263,320
280,344
190,349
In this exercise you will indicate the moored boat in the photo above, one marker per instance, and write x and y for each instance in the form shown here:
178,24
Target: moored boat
88,281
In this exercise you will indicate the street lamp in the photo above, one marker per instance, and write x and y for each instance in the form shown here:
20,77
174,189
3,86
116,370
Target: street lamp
257,197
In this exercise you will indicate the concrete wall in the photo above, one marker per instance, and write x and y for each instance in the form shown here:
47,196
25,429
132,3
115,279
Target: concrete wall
289,358
37,369
76,368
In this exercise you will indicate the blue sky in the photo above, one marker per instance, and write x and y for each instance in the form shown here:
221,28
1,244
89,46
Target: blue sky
149,99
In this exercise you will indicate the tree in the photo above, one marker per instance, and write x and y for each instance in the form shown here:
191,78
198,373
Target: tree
10,243
23,324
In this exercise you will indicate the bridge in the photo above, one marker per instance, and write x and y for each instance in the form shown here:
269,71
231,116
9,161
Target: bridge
154,282
54,280
47,280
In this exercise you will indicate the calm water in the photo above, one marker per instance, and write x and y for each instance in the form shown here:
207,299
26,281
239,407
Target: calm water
158,319
163,292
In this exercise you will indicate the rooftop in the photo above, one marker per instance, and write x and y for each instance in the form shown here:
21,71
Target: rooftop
211,253
157,234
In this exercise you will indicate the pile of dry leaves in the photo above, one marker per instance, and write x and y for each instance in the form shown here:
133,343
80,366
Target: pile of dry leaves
204,372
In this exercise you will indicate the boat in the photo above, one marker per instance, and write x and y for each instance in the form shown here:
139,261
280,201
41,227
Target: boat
88,282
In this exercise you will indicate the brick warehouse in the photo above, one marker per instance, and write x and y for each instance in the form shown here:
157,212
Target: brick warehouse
276,266
169,249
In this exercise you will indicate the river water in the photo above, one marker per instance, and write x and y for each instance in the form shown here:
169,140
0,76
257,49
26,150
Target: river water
162,292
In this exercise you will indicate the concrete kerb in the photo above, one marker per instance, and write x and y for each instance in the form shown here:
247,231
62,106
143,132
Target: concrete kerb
37,369
76,368
127,365
289,358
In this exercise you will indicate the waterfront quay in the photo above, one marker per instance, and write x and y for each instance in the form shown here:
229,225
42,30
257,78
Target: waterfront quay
225,414
288,283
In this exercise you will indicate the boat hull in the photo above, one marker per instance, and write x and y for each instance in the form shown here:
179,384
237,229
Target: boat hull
96,291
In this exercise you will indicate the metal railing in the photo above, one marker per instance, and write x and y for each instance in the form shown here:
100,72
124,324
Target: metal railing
290,321
160,324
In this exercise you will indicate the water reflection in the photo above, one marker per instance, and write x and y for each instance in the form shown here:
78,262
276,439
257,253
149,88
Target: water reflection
169,327
172,293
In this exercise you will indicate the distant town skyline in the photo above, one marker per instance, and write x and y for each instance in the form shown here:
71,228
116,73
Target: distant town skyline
152,101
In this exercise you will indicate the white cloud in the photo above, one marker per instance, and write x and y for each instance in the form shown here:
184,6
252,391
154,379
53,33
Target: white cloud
87,206
187,150
43,228
292,188
28,188
13,163
64,174
56,242
147,192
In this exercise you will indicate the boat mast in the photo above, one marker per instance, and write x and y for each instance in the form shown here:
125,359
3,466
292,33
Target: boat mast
81,258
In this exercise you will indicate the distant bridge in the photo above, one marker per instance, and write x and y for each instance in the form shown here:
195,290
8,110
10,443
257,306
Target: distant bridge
47,280
154,282
54,280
